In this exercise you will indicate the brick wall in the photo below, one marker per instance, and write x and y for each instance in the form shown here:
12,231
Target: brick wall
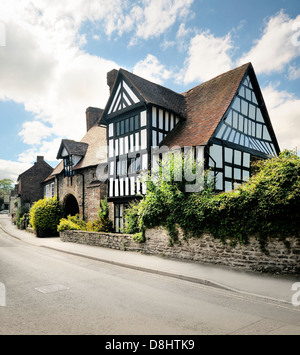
205,249
30,182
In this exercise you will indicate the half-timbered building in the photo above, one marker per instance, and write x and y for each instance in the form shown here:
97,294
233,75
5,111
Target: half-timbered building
225,118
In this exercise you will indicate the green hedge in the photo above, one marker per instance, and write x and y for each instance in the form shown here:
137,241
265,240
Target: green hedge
268,205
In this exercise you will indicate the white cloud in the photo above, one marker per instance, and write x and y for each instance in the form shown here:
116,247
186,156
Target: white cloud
276,48
284,111
48,149
208,56
159,15
11,170
43,67
150,68
181,37
294,72
33,132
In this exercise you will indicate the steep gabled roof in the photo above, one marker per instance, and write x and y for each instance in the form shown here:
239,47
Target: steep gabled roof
156,94
72,147
149,93
95,140
206,105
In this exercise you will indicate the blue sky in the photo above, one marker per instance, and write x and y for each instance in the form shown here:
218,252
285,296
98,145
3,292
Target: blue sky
56,54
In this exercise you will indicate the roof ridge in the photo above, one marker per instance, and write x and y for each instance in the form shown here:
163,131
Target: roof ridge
229,72
149,81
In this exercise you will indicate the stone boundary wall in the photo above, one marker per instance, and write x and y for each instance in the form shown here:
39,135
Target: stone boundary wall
206,249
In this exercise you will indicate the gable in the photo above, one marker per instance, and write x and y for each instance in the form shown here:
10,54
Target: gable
131,91
206,105
247,123
69,147
123,98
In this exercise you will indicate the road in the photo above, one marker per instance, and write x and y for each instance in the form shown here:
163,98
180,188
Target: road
49,292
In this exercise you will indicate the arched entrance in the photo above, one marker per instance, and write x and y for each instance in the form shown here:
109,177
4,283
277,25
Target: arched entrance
71,206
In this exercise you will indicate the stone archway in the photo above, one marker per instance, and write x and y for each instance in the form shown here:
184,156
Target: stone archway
71,206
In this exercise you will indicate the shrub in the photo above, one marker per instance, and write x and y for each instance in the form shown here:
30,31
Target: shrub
19,218
103,210
100,225
77,219
139,237
66,224
103,223
268,205
132,218
45,216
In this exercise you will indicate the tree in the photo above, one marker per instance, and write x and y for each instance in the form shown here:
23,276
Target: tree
6,186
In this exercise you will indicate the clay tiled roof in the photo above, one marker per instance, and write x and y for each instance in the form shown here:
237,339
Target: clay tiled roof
96,152
156,94
206,105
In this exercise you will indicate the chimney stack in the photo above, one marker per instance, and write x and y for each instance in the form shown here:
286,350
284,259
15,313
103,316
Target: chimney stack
93,116
39,159
111,78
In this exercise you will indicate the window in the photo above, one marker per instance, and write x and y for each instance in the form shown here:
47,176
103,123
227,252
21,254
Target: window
234,168
122,167
135,165
143,118
49,190
119,217
127,125
111,130
68,166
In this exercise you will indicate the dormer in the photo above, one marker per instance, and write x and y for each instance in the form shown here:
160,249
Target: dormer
72,153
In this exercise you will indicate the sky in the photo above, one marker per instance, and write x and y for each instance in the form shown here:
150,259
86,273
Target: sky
55,54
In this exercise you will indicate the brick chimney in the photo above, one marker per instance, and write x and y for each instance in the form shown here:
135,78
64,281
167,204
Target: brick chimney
93,116
111,78
39,158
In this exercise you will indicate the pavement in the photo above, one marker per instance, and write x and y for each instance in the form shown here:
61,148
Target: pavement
272,288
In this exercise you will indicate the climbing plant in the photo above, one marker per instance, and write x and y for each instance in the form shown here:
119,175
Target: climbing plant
268,205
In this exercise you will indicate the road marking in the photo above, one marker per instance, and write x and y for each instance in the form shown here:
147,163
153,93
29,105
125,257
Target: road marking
51,288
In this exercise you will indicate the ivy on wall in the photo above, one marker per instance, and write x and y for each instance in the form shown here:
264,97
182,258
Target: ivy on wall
268,205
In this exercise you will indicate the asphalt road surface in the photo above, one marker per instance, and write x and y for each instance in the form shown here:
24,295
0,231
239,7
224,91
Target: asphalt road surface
49,292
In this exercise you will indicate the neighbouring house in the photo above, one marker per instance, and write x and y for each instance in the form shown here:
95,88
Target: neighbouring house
224,122
29,187
74,181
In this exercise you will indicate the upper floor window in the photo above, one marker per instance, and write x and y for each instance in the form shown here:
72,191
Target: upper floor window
128,125
68,166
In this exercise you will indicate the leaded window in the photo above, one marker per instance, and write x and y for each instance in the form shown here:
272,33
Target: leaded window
230,167
245,125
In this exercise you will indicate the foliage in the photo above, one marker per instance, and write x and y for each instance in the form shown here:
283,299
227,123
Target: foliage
67,224
22,217
268,205
102,224
132,218
45,216
104,209
78,220
166,197
139,237
6,186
